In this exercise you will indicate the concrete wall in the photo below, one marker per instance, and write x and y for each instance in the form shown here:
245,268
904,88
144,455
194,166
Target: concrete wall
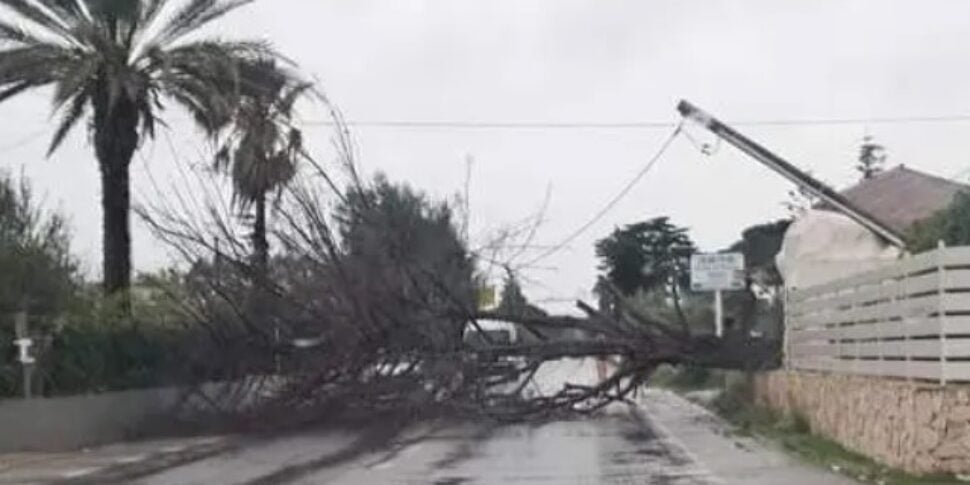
918,427
69,423
74,422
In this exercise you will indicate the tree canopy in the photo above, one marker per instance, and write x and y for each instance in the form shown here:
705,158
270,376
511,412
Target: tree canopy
872,157
760,244
262,146
950,225
647,256
37,271
396,241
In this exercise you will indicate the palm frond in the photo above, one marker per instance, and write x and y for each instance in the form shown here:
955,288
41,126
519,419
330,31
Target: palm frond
149,11
11,91
68,12
195,15
205,77
38,64
40,17
10,33
146,109
266,146
289,98
207,106
71,116
72,83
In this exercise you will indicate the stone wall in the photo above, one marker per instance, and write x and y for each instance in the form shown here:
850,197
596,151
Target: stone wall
917,427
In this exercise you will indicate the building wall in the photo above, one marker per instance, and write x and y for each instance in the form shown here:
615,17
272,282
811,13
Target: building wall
918,427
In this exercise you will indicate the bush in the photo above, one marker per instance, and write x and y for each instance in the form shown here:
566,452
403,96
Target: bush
86,359
687,377
950,225
94,346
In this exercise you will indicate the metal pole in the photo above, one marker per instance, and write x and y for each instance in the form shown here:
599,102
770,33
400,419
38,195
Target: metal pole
23,337
718,314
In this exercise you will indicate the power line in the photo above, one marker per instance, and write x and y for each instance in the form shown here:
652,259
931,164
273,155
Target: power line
496,125
633,125
612,203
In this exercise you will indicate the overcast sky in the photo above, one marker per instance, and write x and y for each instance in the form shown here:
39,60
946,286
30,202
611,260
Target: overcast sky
592,61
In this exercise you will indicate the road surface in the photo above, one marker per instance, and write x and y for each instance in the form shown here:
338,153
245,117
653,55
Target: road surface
661,439
665,441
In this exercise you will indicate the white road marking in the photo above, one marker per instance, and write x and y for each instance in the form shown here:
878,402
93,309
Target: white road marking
173,448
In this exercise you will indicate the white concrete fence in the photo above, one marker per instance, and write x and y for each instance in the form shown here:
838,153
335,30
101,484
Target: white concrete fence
910,319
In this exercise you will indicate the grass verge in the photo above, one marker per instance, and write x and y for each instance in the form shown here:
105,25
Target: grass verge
793,432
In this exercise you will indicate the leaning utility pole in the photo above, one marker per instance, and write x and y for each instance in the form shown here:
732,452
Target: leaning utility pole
792,173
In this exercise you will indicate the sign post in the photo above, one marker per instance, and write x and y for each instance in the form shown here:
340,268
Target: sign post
717,272
718,314
24,342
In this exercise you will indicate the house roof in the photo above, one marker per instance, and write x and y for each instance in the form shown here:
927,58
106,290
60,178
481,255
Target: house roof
902,196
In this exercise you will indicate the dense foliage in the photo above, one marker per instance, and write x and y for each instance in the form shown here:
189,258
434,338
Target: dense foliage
398,242
647,256
872,158
760,245
950,225
37,272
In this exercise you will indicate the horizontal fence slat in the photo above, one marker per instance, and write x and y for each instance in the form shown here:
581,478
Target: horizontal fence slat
957,279
955,256
908,308
958,348
909,318
957,302
899,329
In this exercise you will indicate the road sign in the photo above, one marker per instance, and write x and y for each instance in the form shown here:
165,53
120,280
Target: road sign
719,271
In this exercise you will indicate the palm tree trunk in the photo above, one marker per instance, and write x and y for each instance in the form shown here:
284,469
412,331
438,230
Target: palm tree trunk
260,242
115,141
115,206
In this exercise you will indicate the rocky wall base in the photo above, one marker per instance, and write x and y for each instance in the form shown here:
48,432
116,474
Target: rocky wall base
917,427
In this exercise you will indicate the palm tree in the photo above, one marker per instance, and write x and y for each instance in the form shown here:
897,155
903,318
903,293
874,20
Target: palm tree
262,148
114,62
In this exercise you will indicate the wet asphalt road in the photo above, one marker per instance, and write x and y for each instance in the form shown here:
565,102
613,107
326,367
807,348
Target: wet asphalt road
661,439
615,448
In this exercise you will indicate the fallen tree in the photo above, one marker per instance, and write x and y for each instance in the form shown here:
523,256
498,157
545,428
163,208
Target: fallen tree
368,302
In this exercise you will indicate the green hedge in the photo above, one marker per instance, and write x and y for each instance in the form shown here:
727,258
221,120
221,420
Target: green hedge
89,359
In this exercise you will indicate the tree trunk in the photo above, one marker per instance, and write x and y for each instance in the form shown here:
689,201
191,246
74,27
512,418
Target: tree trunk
115,204
260,242
115,141
681,316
